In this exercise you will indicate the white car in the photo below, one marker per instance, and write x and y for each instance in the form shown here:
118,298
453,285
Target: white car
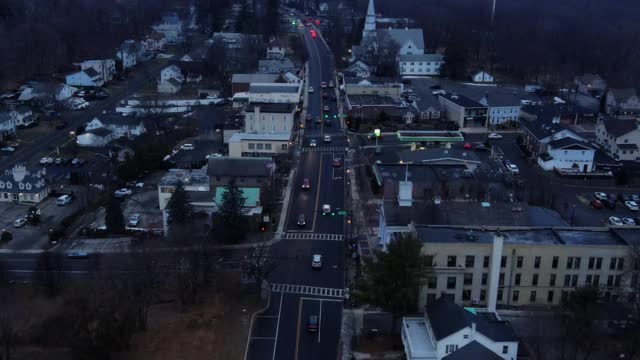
312,143
310,90
19,223
46,160
600,195
123,192
8,149
325,108
327,138
187,147
513,169
628,221
495,136
631,205
80,106
134,220
615,221
316,261
326,209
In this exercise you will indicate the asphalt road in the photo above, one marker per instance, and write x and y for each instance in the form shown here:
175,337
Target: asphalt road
299,291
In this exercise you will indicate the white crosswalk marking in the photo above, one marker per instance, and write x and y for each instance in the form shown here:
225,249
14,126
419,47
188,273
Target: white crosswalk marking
308,290
312,236
325,148
319,135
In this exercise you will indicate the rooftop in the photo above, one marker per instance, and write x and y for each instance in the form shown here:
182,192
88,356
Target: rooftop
274,88
372,100
541,129
250,136
619,127
240,167
473,351
622,95
422,57
254,78
117,119
401,36
418,339
462,100
272,107
251,195
193,179
570,143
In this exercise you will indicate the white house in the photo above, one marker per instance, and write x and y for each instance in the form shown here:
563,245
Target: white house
171,27
22,116
20,185
482,76
358,69
129,126
128,53
88,78
257,145
569,155
623,102
409,41
98,137
620,138
46,92
275,50
171,72
269,118
502,107
420,64
105,67
170,86
156,41
451,332
7,125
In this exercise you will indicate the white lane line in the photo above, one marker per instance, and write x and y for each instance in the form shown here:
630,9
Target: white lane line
267,316
320,322
275,343
262,338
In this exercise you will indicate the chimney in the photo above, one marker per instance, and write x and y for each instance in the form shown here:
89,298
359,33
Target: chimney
473,332
494,274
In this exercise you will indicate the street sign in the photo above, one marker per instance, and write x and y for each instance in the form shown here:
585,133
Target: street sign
342,212
376,132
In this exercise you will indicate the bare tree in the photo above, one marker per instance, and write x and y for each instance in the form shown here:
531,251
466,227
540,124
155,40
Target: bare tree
260,264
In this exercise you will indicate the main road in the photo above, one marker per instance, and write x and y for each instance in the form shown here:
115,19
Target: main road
298,290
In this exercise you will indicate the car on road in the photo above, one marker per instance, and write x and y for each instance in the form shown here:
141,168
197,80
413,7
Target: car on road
63,200
46,161
481,148
134,220
631,205
327,138
628,221
600,195
494,136
325,108
313,323
513,169
313,34
615,221
597,204
8,149
187,147
331,84
466,146
316,261
305,184
326,209
310,91
301,221
77,162
123,192
20,222
312,143
337,162
318,120
323,85
77,254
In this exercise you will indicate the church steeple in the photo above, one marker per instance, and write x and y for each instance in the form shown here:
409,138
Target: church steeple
370,21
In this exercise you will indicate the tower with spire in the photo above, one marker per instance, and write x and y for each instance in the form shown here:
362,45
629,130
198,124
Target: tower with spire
369,31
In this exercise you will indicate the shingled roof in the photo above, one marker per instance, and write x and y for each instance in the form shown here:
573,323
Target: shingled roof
619,127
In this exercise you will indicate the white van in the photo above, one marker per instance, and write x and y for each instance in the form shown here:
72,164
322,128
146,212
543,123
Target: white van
64,200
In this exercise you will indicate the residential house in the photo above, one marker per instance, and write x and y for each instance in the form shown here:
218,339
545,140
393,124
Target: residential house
623,102
619,138
22,116
19,185
275,50
194,181
156,41
275,66
292,78
46,92
7,126
357,69
503,107
171,27
259,145
463,111
568,155
171,86
448,331
98,137
590,84
482,77
241,82
269,118
290,93
192,71
88,77
420,64
105,67
537,134
129,53
529,266
428,106
249,172
129,126
171,72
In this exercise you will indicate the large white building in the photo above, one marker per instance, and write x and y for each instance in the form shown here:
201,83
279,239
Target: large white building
20,185
620,138
569,155
171,26
259,145
420,64
269,118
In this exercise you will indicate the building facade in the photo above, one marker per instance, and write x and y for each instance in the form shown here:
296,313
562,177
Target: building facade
463,111
20,185
269,118
259,145
619,138
420,64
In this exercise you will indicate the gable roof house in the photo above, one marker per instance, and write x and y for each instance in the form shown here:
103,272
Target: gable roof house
619,138
590,84
540,132
623,102
420,64
88,78
24,186
171,79
171,72
568,155
105,67
171,27
275,50
46,93
128,126
7,126
357,69
249,172
410,41
156,41
450,332
22,116
131,53
170,86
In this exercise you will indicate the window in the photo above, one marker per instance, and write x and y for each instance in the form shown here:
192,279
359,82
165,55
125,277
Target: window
596,280
252,146
468,279
451,261
499,295
284,147
554,262
465,336
483,295
267,146
517,279
485,276
552,280
451,282
595,263
451,348
432,282
469,261
573,263
616,264
534,280
610,281
532,296
516,296
485,262
567,280
503,262
550,296
574,280
616,280
466,295
505,349
536,262
259,146
588,280
519,261
501,279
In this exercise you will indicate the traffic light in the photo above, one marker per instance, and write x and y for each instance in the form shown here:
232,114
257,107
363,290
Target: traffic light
326,116
263,228
348,219
333,214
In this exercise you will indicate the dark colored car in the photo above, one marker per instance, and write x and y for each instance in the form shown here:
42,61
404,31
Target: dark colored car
624,197
313,323
597,204
337,162
609,204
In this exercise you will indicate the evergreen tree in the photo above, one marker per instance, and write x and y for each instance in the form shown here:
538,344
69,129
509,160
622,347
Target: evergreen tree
233,220
455,61
114,220
179,207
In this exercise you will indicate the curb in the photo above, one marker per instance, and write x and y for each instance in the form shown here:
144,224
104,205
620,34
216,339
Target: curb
253,318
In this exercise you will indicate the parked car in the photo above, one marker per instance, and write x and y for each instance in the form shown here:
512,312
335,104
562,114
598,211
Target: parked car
494,136
631,205
305,184
323,84
134,220
187,147
615,221
46,161
628,221
513,169
20,222
77,162
8,149
326,209
63,200
600,195
316,261
597,204
123,192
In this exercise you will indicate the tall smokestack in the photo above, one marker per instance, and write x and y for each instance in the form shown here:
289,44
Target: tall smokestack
494,274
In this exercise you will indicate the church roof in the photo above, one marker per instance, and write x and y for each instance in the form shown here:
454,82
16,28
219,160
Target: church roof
370,10
401,36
